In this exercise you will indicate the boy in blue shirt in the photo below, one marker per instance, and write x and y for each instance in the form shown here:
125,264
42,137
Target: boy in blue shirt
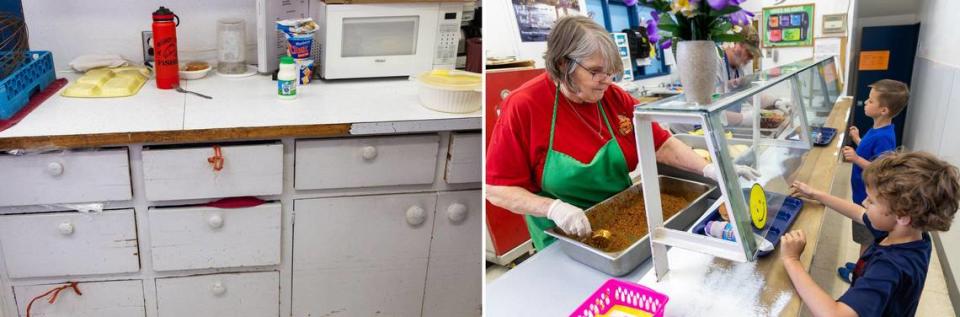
908,194
887,98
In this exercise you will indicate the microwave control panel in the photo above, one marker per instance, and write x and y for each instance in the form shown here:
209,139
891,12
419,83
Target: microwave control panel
448,35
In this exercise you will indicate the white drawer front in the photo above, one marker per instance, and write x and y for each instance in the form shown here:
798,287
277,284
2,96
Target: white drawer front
62,244
362,256
366,162
99,299
248,170
205,237
65,177
464,159
235,295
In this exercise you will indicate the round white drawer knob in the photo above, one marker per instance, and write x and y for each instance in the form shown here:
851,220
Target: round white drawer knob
369,153
65,228
457,212
218,289
416,215
215,221
55,169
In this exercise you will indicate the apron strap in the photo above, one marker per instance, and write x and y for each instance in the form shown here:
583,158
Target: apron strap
553,121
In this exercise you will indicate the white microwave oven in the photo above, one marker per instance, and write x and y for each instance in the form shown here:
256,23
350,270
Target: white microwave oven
376,40
382,40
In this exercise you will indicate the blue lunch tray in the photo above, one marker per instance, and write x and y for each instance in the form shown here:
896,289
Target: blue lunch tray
826,135
787,209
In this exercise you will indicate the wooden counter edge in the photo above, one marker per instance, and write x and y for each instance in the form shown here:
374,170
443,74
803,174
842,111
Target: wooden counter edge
170,137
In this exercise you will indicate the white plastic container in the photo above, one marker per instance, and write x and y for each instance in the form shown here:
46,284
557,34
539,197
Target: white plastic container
287,79
450,90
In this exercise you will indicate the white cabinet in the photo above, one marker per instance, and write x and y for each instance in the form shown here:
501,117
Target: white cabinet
366,162
188,173
70,243
99,299
464,159
235,295
454,275
362,256
206,237
65,177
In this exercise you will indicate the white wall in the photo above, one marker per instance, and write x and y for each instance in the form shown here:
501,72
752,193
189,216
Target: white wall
73,28
935,106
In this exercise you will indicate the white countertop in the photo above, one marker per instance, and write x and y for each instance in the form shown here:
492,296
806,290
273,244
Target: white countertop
377,105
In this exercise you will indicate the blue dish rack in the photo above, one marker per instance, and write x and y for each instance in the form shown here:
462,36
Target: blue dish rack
786,207
34,75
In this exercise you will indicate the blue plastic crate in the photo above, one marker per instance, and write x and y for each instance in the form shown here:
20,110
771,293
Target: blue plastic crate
787,209
34,75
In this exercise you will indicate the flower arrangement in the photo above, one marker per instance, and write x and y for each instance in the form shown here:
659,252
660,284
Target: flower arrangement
695,20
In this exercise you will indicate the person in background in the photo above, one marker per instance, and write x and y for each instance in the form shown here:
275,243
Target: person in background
887,99
564,140
908,195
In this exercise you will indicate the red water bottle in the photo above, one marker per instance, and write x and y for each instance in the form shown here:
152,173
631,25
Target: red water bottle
166,66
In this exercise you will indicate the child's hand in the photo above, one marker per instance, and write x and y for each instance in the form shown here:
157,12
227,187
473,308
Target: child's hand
849,154
854,134
791,245
802,190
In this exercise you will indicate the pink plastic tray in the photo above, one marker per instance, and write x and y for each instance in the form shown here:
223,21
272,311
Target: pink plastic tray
626,295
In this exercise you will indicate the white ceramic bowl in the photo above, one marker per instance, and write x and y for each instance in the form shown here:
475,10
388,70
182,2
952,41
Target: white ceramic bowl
194,74
446,98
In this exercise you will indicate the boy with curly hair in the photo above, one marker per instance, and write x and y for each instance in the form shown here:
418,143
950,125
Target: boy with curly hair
908,195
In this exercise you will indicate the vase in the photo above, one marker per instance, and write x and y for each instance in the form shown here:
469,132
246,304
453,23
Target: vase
697,61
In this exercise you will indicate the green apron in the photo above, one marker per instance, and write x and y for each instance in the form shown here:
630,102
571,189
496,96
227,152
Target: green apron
581,185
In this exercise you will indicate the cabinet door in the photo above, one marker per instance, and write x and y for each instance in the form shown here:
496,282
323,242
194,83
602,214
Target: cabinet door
361,256
99,299
235,295
455,272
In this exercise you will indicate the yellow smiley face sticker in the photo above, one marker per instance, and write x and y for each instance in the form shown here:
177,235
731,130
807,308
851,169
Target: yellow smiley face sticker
758,206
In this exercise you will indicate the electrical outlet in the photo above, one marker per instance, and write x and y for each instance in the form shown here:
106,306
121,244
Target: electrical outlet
146,38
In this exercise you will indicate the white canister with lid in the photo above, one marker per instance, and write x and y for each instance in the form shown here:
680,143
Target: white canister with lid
287,78
450,90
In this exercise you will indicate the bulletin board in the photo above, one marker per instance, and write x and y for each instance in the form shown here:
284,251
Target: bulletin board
788,26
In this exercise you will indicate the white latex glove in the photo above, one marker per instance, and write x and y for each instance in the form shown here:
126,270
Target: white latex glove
747,114
742,170
569,218
782,105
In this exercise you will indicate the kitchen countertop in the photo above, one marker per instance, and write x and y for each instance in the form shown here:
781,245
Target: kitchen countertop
552,284
241,108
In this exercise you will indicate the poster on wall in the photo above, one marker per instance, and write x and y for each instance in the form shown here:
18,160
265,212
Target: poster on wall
788,26
536,17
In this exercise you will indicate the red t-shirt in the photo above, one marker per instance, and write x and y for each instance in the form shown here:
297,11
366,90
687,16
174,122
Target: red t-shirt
520,140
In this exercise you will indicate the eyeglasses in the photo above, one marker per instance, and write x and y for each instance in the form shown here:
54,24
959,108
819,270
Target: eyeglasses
597,76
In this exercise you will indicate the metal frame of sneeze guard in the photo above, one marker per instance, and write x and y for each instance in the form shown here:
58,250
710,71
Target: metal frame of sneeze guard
675,110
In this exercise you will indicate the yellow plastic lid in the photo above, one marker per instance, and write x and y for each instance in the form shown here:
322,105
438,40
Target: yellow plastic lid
451,79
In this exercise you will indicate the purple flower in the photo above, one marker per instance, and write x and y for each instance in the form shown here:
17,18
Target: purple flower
741,17
666,44
720,4
630,3
655,15
652,31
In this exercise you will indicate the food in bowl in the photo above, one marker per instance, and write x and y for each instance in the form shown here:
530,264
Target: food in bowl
195,66
627,221
194,70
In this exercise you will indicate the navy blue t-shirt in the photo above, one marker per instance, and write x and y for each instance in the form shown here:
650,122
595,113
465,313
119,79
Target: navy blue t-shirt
875,142
888,279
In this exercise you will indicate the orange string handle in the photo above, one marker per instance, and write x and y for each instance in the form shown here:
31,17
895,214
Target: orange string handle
217,159
56,292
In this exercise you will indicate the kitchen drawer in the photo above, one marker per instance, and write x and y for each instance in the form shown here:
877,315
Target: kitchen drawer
454,280
366,162
207,237
235,295
185,173
99,299
61,244
362,256
65,177
464,159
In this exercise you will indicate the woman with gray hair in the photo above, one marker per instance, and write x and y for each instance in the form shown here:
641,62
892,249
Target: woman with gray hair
564,140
